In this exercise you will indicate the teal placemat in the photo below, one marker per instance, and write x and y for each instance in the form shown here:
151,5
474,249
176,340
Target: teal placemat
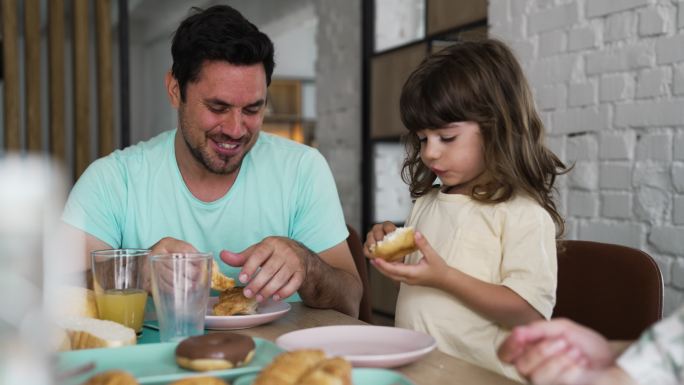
360,376
153,364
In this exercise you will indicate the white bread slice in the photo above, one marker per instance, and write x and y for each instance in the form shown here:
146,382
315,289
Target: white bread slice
396,245
67,301
88,333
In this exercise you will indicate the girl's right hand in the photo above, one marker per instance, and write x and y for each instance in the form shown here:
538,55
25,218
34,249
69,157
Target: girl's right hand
376,234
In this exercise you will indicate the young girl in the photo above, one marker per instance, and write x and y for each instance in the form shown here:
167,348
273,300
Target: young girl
490,263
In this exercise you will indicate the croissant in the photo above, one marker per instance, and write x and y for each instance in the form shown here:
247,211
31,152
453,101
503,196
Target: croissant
305,367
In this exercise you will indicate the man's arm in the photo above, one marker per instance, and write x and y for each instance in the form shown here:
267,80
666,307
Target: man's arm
332,281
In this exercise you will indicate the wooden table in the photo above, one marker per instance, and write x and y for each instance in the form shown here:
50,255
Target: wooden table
435,368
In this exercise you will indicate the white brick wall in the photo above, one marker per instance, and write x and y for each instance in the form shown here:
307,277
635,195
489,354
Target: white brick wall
618,26
678,215
679,80
606,7
679,146
616,205
617,145
608,76
653,82
669,49
558,17
615,176
582,38
582,94
652,21
616,87
656,147
552,42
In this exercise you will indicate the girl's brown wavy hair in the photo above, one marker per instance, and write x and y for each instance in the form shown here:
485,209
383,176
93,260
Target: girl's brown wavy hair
481,81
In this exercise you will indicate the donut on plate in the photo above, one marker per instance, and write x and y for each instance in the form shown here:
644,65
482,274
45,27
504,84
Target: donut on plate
215,351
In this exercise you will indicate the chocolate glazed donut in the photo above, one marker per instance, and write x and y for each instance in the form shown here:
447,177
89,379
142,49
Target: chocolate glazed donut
214,351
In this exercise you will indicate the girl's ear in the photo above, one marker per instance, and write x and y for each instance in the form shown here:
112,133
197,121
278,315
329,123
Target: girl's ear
172,89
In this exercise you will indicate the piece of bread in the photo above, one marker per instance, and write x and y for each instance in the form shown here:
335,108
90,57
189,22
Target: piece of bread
73,301
233,301
288,368
88,333
219,281
199,381
333,371
305,367
395,246
112,377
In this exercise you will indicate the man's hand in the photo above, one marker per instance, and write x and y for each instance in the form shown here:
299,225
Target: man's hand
274,267
165,246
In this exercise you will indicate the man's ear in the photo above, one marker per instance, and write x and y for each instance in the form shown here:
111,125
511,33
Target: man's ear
172,89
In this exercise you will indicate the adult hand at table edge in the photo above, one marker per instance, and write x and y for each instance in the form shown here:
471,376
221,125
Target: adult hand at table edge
540,343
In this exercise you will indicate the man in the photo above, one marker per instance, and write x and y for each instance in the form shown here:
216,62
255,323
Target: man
262,203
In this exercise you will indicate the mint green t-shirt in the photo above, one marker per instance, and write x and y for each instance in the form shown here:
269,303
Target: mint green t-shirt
134,197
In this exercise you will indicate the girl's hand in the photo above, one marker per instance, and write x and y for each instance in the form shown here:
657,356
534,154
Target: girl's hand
427,272
376,234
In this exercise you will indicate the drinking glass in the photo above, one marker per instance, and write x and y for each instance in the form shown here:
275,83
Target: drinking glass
180,288
118,283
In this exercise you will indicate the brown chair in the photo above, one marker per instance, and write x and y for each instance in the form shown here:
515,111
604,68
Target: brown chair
360,260
615,290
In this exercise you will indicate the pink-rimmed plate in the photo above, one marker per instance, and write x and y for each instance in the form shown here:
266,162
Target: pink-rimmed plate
267,311
363,345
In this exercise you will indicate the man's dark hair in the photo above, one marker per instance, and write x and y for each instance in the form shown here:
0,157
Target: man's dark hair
218,33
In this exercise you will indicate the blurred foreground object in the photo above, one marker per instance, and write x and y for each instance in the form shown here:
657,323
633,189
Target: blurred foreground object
30,202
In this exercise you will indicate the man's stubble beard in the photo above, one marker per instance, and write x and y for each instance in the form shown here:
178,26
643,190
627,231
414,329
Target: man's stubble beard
203,155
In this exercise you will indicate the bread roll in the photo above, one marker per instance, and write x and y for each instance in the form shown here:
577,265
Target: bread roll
88,333
233,301
199,381
287,368
395,246
219,281
73,301
333,371
112,377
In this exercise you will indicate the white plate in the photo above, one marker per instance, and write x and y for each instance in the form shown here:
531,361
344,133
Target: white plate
363,345
267,311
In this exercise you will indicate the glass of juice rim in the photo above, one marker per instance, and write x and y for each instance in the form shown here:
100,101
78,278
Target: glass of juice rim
129,252
118,280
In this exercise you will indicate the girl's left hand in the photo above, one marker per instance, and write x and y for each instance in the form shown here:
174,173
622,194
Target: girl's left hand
427,272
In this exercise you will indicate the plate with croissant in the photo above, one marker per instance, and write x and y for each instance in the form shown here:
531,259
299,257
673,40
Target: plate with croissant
313,366
232,310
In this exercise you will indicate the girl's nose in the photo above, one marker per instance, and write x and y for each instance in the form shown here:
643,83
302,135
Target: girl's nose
431,151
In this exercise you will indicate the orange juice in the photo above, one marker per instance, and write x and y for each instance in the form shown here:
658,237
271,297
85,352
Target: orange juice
125,306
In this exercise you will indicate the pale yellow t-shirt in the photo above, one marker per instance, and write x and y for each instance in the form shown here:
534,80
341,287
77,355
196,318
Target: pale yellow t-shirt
511,243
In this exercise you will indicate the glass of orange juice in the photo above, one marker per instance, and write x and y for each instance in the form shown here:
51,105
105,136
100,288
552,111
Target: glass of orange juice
118,283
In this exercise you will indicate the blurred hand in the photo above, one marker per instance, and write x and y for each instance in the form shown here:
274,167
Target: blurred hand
190,275
376,234
274,267
427,272
557,352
